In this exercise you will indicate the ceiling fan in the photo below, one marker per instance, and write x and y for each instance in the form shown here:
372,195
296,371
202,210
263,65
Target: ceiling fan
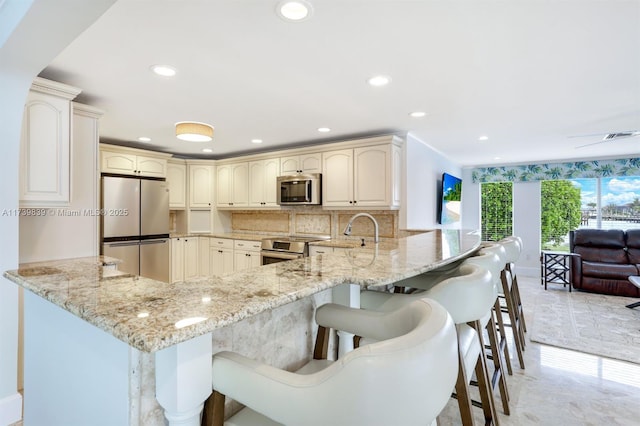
608,137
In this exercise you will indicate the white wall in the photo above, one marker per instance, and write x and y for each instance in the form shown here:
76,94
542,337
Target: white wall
423,168
40,33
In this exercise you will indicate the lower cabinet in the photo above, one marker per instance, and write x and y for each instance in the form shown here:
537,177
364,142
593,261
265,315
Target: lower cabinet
220,256
184,258
246,254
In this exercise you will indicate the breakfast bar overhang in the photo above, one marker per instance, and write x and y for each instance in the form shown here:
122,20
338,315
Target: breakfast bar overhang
87,325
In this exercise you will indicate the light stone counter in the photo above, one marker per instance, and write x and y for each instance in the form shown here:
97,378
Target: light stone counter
151,315
165,334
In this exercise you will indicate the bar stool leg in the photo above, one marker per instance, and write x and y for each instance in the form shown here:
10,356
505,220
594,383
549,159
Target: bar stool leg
498,366
514,322
502,343
484,384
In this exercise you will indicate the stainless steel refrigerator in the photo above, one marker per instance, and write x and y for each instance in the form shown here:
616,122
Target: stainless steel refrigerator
135,225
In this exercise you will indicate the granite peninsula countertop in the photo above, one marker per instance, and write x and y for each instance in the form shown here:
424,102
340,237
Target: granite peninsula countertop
150,315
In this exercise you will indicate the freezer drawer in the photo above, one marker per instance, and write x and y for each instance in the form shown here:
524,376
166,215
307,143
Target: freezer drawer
128,252
154,259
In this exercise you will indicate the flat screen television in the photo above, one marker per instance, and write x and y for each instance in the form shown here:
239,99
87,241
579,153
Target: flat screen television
450,199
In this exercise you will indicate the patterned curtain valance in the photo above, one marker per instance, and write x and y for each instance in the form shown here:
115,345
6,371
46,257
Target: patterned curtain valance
556,171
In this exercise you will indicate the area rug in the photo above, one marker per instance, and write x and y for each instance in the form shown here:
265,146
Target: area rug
592,323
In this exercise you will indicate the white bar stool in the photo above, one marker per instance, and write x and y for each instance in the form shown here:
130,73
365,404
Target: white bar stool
404,378
468,297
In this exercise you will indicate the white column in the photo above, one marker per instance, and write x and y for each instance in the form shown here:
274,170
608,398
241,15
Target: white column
183,380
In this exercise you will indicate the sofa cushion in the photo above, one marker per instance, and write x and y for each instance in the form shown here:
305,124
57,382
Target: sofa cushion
602,254
607,270
612,238
633,245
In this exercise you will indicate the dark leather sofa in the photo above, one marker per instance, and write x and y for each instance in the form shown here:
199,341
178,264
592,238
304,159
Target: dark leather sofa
604,259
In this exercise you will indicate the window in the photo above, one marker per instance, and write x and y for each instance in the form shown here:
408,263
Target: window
604,203
496,210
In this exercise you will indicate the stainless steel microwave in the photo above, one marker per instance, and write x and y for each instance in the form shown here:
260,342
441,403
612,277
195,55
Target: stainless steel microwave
300,189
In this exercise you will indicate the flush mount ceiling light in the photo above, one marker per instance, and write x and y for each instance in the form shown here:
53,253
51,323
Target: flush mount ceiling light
192,131
379,80
294,10
417,114
256,140
324,129
483,138
163,70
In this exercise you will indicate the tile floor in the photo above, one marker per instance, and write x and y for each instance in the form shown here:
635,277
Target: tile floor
563,387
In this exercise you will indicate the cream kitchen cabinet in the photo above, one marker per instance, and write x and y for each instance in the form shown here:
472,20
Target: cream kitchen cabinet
306,163
220,256
263,176
45,146
204,268
232,185
184,258
177,180
246,254
200,186
126,163
363,177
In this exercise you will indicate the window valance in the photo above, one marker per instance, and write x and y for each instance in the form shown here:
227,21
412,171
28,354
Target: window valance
556,171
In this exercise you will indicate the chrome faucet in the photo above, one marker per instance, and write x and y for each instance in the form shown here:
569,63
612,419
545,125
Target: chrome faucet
347,230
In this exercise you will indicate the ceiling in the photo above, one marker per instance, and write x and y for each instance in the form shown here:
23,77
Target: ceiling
530,75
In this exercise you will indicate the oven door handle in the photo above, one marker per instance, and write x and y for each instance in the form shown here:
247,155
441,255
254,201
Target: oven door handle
279,255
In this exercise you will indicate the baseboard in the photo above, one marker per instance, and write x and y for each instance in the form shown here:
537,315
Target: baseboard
11,409
528,271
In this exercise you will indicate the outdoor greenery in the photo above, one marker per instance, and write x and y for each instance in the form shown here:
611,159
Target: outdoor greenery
560,212
496,210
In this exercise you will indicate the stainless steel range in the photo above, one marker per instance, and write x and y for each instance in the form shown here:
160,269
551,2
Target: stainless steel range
280,249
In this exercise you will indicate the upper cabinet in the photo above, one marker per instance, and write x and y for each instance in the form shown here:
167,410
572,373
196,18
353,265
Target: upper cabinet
263,176
305,163
45,173
200,186
126,163
362,177
177,180
232,185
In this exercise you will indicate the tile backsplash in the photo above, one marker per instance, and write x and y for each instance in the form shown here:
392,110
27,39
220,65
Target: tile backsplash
314,221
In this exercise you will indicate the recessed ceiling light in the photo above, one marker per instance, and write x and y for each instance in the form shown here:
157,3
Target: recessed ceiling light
324,129
497,158
417,114
163,70
256,140
207,150
379,80
144,139
483,138
294,10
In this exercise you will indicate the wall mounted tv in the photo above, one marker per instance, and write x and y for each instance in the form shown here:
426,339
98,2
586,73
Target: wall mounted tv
450,199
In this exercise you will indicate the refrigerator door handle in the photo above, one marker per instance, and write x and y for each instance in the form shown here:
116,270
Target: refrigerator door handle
123,244
164,240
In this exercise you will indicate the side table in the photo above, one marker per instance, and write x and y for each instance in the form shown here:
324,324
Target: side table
635,280
555,268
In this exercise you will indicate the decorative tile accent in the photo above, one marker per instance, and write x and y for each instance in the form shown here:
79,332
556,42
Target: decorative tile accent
260,221
309,224
363,227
